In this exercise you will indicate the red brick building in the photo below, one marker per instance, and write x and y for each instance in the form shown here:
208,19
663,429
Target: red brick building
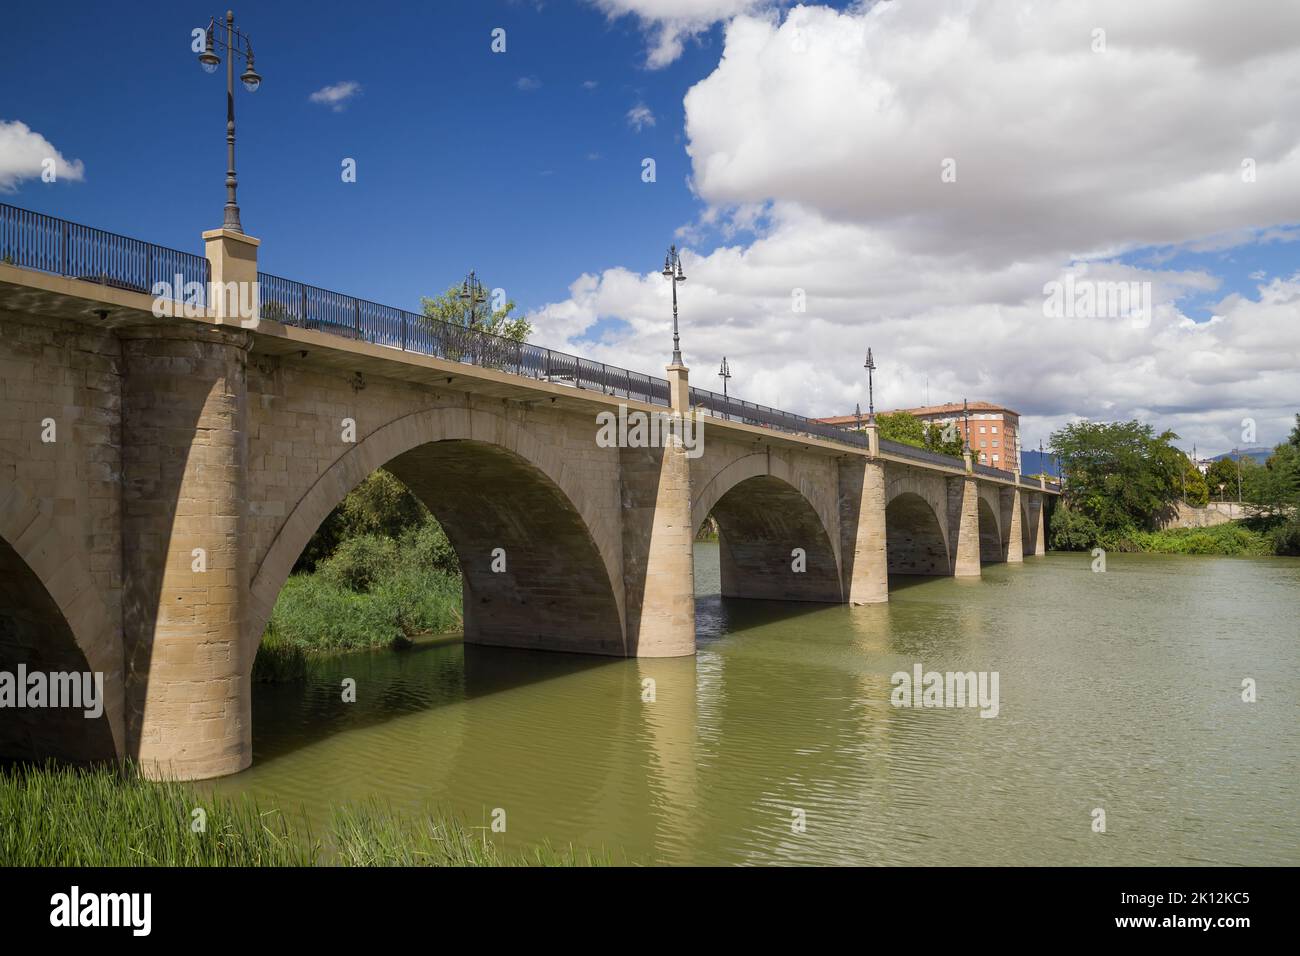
995,430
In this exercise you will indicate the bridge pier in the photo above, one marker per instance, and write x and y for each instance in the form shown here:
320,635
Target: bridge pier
964,526
185,565
862,530
1011,523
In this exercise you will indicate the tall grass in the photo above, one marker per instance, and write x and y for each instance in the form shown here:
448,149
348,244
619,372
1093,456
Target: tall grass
106,816
370,834
51,816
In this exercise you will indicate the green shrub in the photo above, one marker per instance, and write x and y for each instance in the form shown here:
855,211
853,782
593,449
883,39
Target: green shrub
1285,538
360,563
1072,531
427,546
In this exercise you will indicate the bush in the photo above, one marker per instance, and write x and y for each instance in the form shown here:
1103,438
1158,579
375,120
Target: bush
360,563
1285,538
1072,531
427,546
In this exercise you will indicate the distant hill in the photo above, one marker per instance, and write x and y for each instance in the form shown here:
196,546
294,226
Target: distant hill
1260,454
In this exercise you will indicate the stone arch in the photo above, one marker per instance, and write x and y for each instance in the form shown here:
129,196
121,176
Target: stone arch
990,528
1029,516
764,511
52,619
491,484
915,541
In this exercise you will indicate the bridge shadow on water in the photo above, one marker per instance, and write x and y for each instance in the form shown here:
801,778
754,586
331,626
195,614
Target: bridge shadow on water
394,684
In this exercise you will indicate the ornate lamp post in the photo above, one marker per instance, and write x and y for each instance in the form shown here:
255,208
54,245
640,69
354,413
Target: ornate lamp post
857,416
673,272
870,366
235,44
965,414
724,373
472,291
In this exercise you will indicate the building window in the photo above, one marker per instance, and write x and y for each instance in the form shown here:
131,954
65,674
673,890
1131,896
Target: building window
981,429
984,443
995,444
995,429
995,458
983,457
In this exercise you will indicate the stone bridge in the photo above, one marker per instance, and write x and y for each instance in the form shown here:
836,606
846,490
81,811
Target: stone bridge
160,476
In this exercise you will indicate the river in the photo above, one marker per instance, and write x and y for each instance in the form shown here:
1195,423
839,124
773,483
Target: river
778,743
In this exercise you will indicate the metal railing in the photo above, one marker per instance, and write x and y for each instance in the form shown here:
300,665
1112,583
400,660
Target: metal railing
748,413
320,310
992,472
34,240
921,454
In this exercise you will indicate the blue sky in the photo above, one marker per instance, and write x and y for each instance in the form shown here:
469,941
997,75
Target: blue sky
457,166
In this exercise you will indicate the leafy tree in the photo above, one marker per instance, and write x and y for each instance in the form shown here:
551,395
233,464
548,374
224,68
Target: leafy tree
1121,476
902,427
450,308
935,441
379,506
1224,472
1193,488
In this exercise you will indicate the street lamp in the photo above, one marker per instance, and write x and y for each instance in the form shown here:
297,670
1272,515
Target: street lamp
724,372
235,44
857,416
472,291
965,414
870,366
673,271
1237,453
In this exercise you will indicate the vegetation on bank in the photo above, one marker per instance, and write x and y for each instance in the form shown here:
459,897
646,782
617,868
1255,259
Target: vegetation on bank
378,572
1122,480
63,816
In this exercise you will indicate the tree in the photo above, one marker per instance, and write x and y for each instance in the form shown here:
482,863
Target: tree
902,427
450,308
1121,476
380,506
1223,472
1193,488
935,441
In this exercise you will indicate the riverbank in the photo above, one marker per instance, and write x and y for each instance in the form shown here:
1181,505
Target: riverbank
1251,537
60,816
371,591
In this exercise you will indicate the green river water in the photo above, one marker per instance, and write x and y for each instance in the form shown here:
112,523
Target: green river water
1118,690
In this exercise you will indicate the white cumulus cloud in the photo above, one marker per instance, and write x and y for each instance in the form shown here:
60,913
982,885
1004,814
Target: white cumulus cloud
26,154
823,137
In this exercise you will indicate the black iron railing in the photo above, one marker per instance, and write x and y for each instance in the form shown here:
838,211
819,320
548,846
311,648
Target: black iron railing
307,307
748,413
34,240
920,454
992,472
